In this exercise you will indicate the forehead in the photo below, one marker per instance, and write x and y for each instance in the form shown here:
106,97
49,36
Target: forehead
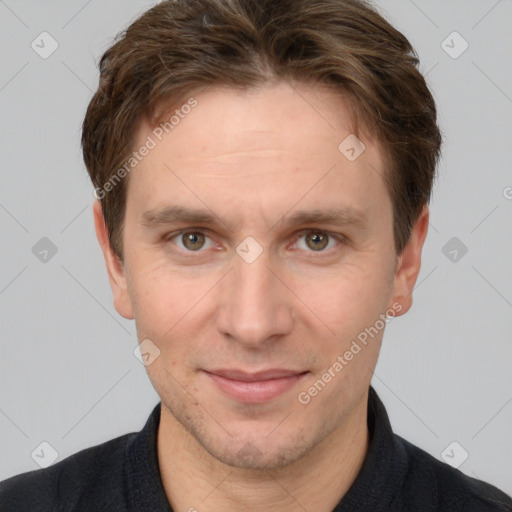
274,114
269,144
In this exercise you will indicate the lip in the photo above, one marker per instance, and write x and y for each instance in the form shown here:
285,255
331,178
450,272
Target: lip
257,387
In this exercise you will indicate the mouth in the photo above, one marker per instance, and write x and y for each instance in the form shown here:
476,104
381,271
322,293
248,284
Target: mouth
255,388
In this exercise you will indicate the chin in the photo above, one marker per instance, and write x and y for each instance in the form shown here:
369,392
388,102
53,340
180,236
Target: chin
245,451
250,457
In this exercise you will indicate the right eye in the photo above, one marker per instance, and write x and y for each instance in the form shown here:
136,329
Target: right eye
189,240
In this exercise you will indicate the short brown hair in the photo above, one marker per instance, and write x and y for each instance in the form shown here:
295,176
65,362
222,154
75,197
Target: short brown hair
181,46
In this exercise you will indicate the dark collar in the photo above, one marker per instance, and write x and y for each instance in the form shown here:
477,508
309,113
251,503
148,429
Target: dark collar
145,489
383,469
373,490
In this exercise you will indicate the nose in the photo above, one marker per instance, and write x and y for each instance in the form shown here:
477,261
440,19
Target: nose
255,308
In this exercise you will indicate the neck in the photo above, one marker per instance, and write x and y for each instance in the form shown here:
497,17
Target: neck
193,480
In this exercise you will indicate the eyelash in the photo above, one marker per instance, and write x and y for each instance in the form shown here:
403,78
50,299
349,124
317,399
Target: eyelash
338,237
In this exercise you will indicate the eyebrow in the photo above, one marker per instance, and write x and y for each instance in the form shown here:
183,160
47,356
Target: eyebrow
180,214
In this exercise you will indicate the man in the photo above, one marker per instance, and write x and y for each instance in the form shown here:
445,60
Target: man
263,171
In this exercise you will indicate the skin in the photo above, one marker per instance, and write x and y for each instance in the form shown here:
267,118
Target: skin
254,158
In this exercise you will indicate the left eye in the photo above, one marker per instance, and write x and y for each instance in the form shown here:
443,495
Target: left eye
317,240
314,241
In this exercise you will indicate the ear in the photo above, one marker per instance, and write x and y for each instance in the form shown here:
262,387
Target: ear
115,268
409,263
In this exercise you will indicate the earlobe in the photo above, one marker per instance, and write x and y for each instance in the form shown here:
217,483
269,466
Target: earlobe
409,264
115,269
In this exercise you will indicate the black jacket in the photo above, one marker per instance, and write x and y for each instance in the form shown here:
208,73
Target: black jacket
122,475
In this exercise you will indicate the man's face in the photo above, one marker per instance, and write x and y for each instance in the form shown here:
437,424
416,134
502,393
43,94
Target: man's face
257,290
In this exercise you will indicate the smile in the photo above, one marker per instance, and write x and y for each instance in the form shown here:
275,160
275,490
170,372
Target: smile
254,388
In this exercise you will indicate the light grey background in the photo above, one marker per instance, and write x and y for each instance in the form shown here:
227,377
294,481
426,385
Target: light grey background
68,375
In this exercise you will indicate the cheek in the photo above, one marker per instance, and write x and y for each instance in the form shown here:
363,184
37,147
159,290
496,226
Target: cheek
347,299
171,306
157,297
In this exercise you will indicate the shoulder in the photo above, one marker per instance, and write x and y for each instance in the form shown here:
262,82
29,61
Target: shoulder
447,488
60,486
